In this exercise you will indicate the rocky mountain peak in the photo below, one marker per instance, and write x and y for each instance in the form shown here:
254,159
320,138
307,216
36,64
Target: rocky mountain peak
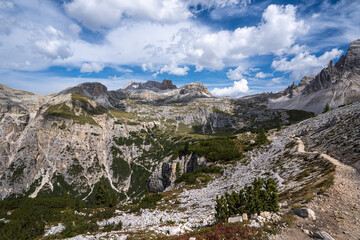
335,85
95,89
351,62
167,84
195,87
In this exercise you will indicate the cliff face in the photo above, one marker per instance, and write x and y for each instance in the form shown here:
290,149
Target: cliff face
335,85
69,141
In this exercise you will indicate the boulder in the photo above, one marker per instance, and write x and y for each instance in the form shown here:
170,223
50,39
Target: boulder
304,213
322,235
265,214
253,223
173,231
235,219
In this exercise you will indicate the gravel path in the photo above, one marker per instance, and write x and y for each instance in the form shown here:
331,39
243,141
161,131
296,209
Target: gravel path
337,210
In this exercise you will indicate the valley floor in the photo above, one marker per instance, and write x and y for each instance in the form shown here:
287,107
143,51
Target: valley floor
337,210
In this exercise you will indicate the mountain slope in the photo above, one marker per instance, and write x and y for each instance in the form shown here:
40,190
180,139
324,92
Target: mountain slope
335,85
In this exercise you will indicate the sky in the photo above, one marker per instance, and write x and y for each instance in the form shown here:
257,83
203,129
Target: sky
234,47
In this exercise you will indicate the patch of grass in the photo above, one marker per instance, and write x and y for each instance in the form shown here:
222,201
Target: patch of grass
120,114
216,110
64,111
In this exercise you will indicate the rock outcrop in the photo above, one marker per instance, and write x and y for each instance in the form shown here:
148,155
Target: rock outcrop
165,174
335,85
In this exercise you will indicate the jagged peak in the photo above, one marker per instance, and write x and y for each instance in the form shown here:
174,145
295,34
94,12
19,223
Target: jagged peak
150,85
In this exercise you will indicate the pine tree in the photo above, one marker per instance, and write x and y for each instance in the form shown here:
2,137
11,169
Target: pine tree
327,108
261,137
221,209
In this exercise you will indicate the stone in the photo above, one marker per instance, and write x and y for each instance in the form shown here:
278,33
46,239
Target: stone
260,219
245,217
265,214
192,238
253,223
174,231
322,235
304,213
235,219
307,232
54,230
186,228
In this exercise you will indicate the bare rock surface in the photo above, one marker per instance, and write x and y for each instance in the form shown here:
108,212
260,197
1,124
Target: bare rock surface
335,85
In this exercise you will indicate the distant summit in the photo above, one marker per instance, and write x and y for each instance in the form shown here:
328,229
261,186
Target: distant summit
150,85
335,85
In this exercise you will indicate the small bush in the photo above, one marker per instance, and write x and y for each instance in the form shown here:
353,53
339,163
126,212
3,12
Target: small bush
260,196
213,149
150,200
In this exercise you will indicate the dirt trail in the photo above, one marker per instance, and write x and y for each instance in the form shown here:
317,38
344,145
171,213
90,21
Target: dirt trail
337,210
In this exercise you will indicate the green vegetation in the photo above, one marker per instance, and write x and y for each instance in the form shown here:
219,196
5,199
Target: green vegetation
64,111
121,168
216,110
81,110
17,171
120,114
326,108
75,169
199,174
150,200
298,115
103,195
213,149
29,217
261,138
260,196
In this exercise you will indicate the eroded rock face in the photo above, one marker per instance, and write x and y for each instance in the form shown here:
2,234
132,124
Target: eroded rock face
195,87
165,174
167,84
335,85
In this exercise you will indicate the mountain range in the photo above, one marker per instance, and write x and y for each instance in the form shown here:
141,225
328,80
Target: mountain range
131,141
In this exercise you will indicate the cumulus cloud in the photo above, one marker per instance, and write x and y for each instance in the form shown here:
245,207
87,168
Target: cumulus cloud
95,14
53,44
263,75
175,70
237,73
275,34
92,67
305,64
236,90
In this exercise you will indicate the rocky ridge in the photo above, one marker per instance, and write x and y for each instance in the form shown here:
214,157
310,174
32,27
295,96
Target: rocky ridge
335,85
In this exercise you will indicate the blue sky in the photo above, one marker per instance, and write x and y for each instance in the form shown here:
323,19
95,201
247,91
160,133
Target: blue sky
234,47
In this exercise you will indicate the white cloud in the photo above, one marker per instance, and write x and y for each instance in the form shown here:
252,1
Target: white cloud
305,64
53,44
238,89
95,14
263,75
276,34
199,68
92,67
277,80
237,73
175,70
